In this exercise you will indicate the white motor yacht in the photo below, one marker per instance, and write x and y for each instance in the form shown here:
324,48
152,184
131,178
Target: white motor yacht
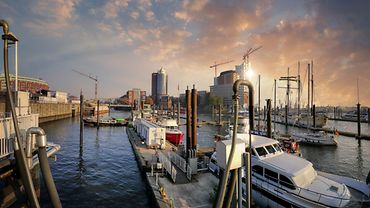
285,180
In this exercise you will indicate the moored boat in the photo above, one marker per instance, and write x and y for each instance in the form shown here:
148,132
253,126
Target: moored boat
320,138
280,179
173,133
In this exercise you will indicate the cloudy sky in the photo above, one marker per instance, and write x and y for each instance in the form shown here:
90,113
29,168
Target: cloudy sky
124,41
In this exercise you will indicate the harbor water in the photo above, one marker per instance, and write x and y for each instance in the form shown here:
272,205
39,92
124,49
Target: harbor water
105,174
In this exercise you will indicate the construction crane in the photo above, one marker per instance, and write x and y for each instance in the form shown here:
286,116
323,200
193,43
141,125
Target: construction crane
218,64
249,52
90,77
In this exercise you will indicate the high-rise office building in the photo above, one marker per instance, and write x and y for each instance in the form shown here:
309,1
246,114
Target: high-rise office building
159,85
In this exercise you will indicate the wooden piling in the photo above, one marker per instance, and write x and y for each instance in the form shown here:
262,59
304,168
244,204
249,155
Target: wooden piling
269,130
194,117
188,122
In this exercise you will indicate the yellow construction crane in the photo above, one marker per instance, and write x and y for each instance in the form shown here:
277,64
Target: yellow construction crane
218,64
90,77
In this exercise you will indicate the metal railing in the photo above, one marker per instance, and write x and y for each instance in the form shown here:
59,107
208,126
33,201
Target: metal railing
178,160
299,191
167,165
188,173
6,147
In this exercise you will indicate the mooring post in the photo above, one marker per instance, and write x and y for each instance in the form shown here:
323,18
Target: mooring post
219,114
269,130
178,111
81,119
188,122
97,115
314,116
368,115
358,120
194,95
286,119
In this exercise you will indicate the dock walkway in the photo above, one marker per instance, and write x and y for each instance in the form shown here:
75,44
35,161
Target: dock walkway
166,193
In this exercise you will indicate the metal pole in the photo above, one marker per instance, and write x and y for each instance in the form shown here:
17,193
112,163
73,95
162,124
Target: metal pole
299,88
247,181
194,117
81,120
269,134
219,114
275,105
188,122
314,116
98,115
16,69
312,94
240,185
308,99
96,88
178,111
259,103
358,120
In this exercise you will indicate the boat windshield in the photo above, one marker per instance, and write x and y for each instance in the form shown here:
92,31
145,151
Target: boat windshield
261,151
277,147
270,149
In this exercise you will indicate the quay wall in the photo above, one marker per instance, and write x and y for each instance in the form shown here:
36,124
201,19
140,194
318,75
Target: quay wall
54,111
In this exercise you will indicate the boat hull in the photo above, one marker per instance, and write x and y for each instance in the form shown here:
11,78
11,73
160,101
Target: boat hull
175,137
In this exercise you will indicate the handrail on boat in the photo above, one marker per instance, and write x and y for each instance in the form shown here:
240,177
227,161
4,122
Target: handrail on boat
278,184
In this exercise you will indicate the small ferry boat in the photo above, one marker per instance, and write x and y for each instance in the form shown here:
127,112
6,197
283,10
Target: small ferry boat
105,121
173,133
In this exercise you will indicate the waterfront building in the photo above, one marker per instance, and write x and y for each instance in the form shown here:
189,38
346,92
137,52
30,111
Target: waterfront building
135,95
223,85
241,70
28,84
165,102
159,85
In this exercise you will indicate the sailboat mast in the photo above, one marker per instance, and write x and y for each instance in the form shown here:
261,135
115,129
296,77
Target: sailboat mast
308,95
312,94
299,89
259,101
275,105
